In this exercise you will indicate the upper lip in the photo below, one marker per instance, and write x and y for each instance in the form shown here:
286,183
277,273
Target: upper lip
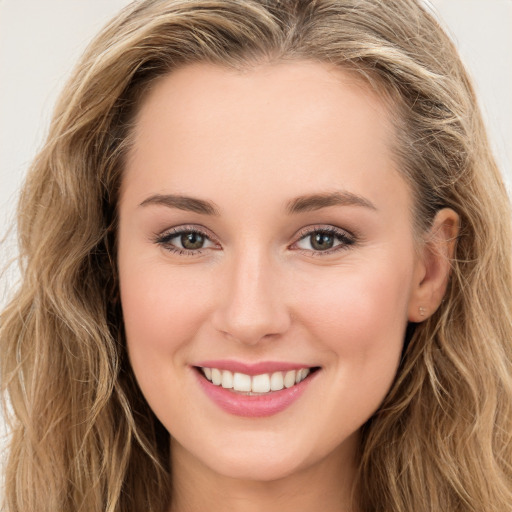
252,368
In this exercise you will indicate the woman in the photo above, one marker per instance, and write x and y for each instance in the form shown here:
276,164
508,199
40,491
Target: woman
265,260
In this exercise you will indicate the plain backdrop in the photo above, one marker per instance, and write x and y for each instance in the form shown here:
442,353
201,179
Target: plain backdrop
40,40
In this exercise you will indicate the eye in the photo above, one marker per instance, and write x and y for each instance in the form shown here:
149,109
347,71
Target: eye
191,240
185,240
324,240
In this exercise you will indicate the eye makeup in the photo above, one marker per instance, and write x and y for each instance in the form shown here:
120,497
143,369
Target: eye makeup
317,240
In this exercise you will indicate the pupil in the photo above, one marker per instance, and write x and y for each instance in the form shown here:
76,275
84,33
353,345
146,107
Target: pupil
192,241
322,241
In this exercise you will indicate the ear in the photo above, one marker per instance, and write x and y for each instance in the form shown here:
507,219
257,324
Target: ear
432,268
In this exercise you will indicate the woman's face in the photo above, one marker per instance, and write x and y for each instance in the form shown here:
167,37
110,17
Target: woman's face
264,229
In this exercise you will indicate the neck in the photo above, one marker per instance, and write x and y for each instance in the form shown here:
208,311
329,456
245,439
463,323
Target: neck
326,485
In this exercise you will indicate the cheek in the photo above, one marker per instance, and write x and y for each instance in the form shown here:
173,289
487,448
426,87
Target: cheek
163,310
359,317
162,307
358,306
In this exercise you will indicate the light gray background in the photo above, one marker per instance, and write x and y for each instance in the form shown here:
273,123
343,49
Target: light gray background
40,40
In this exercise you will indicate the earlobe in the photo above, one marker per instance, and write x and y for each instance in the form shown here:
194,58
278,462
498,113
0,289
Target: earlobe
433,266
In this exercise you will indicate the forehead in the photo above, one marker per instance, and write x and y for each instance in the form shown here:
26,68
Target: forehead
289,126
204,94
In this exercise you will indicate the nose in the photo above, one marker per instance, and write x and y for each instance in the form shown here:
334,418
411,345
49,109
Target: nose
251,306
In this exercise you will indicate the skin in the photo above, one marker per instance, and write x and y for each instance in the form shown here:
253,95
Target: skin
250,143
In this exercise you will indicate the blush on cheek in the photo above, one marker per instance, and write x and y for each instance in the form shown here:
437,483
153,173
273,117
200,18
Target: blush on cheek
162,308
362,322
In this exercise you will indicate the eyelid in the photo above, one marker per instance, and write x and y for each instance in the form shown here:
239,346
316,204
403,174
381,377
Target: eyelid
313,228
169,233
348,239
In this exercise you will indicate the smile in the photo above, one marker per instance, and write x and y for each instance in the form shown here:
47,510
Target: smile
256,384
249,390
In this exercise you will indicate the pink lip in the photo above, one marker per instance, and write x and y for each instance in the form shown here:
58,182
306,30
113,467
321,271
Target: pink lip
252,368
254,406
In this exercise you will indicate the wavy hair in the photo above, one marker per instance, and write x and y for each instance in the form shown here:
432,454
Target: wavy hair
83,437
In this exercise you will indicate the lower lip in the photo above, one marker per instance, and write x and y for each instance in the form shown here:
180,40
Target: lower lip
254,406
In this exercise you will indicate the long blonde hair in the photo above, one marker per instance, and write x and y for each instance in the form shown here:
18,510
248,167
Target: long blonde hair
83,437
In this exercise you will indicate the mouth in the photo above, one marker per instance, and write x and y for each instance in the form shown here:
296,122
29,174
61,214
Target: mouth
255,385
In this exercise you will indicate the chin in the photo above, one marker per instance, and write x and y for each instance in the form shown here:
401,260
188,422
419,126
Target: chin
261,469
261,457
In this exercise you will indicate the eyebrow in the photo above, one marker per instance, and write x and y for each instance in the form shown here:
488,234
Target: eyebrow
314,202
190,204
300,204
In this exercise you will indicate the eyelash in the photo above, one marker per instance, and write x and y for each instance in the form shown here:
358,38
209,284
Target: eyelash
164,240
346,240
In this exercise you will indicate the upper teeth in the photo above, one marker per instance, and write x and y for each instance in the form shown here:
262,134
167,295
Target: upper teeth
256,384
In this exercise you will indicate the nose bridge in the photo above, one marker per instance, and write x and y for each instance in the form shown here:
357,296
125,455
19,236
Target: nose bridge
251,306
